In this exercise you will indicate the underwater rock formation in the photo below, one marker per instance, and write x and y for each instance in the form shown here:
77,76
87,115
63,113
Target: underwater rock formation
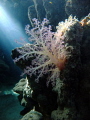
32,115
48,9
25,93
36,95
78,8
64,100
54,11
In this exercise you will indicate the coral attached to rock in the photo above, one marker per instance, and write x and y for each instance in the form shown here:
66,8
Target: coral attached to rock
57,55
49,49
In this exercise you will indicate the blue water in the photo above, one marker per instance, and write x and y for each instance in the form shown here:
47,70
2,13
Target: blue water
10,31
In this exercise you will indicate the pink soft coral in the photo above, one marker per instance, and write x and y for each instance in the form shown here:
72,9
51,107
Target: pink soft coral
48,49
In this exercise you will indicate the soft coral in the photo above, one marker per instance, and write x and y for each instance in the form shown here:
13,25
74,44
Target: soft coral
47,47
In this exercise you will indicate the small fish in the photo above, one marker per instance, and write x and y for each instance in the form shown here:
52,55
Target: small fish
50,2
69,2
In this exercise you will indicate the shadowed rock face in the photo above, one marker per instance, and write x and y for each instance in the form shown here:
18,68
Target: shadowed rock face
42,97
78,8
33,115
53,10
37,95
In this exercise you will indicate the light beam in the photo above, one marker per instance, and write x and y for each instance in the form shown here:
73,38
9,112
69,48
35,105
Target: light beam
10,30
